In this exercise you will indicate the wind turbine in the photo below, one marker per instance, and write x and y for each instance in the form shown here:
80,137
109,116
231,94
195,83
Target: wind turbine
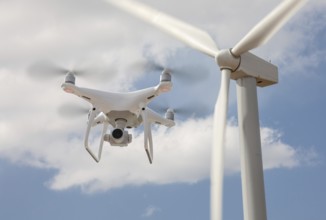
249,71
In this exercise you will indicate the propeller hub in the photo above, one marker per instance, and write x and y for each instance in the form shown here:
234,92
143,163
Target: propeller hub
226,60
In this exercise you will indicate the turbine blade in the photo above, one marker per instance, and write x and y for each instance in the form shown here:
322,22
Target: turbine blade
267,27
219,130
188,34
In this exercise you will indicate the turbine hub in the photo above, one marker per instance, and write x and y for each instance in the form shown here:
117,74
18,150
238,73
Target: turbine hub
226,60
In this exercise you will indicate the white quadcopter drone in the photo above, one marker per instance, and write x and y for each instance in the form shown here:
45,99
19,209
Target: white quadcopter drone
122,111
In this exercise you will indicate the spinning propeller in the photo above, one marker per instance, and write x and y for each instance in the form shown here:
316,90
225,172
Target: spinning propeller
44,70
184,74
230,61
73,110
47,69
180,109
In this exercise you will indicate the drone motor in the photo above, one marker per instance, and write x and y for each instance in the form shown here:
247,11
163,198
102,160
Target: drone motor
166,76
169,114
70,78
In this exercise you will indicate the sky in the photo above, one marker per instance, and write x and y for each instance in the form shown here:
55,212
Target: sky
45,172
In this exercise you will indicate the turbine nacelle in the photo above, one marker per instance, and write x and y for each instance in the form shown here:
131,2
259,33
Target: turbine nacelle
265,73
248,64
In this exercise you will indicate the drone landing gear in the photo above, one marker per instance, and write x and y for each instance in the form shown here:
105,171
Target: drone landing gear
92,116
148,140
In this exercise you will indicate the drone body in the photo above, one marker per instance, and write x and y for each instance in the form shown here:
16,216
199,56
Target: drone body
122,111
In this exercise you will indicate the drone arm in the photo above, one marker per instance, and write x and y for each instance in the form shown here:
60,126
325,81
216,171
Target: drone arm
163,87
148,140
70,88
158,119
91,119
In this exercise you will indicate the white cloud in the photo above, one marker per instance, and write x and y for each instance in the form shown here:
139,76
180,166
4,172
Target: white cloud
150,211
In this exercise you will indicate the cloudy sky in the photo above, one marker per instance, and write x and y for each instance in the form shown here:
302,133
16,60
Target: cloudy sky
45,173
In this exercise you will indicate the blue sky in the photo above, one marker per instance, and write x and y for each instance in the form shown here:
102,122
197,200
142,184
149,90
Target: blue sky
45,173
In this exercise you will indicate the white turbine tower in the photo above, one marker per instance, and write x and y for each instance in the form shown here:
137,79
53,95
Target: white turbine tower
249,71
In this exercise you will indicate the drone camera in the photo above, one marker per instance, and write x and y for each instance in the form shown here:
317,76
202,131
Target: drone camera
118,137
70,78
117,133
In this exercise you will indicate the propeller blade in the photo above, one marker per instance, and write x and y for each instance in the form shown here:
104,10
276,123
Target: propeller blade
180,108
72,110
146,66
188,34
185,74
219,130
267,27
44,70
98,72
